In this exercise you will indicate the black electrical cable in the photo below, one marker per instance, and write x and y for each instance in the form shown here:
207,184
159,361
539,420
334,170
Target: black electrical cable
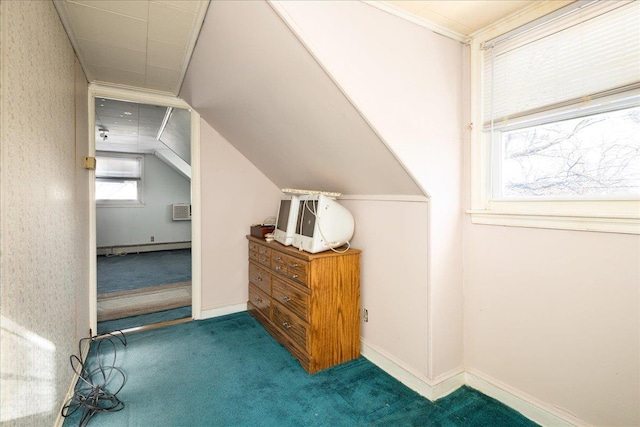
91,394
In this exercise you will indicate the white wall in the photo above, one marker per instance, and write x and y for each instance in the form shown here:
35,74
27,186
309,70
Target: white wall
44,228
393,280
407,82
555,315
235,195
162,187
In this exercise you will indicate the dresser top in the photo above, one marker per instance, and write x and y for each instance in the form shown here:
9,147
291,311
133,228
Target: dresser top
295,252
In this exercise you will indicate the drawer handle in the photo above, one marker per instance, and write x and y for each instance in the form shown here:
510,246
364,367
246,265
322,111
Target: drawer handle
258,300
295,276
278,258
258,279
286,298
294,265
278,267
286,325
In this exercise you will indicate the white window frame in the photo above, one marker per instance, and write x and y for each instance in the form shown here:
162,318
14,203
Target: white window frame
139,202
615,216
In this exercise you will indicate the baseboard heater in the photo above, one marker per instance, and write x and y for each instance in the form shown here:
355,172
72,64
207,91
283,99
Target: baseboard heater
130,249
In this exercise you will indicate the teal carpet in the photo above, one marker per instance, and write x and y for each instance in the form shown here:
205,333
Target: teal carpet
228,371
133,271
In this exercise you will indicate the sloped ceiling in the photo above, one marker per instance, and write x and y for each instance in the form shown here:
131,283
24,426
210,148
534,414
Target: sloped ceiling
256,84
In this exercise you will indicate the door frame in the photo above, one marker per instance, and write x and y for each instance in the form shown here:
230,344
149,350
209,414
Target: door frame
123,94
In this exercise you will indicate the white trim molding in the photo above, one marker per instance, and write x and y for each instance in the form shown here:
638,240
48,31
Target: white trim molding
134,95
196,218
417,382
391,9
577,222
531,408
385,198
222,311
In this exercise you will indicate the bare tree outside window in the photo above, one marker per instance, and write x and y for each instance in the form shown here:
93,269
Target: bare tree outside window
596,156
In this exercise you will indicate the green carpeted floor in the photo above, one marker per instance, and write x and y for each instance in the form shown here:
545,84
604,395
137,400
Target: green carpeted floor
139,270
228,371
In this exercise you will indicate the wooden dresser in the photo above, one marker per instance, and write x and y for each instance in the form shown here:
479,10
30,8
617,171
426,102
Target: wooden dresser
310,303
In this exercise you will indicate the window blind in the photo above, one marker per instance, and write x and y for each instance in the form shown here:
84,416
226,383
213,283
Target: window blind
118,167
589,52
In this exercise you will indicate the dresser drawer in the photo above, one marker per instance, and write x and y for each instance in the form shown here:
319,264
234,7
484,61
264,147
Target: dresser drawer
260,277
260,254
253,246
261,301
291,297
253,255
290,325
290,267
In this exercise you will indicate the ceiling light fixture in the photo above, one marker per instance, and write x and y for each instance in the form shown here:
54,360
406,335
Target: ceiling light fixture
104,134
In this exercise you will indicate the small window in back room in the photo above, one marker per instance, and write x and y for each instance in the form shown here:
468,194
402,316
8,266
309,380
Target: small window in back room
119,179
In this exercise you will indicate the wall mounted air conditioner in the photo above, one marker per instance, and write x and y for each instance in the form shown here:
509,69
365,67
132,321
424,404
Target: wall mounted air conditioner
181,212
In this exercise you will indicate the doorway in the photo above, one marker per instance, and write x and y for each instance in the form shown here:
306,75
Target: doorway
145,246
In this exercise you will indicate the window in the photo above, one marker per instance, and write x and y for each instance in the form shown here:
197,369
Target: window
119,179
595,156
559,103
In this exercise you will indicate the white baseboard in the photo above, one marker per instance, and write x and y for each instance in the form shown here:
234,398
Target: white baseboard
528,406
432,390
221,311
83,356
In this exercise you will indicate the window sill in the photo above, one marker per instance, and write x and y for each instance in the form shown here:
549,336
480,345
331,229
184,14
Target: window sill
607,223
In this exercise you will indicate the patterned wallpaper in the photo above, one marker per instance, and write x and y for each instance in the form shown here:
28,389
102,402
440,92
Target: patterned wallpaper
44,213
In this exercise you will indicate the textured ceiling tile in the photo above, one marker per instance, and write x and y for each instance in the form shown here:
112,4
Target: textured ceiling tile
162,79
133,8
165,55
122,77
107,27
107,56
170,25
188,5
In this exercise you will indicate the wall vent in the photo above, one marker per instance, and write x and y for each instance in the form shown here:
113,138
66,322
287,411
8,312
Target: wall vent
181,212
